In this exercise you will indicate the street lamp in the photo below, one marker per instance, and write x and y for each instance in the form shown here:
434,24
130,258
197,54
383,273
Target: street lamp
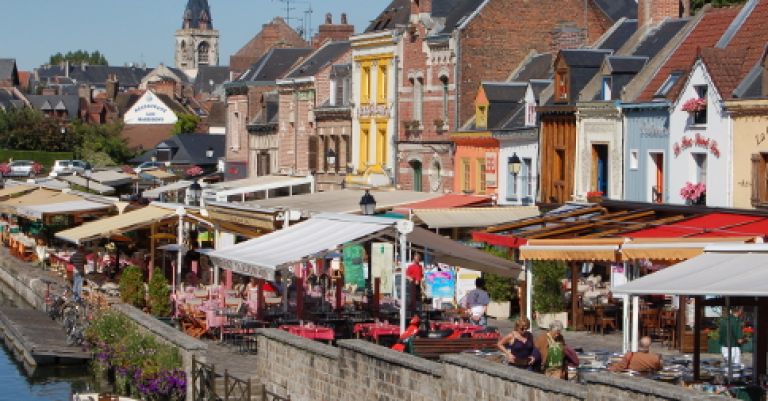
367,204
330,157
194,192
514,164
209,152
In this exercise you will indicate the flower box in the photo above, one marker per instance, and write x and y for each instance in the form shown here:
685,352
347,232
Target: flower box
695,104
694,194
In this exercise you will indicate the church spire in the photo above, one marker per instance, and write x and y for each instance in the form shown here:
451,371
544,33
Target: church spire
197,15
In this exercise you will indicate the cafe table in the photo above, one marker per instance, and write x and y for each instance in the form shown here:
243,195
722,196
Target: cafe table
376,330
310,332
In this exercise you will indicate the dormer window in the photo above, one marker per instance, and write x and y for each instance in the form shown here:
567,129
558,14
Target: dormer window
561,86
530,113
481,117
700,116
606,90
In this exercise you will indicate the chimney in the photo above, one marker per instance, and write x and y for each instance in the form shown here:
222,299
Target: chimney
84,92
112,87
421,7
650,12
331,31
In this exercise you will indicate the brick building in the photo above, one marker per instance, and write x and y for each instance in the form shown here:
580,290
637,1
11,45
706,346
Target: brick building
274,34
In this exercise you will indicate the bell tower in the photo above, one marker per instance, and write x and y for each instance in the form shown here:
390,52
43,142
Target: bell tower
197,43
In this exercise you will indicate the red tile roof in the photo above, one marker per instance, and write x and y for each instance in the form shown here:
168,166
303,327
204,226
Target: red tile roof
446,201
749,42
725,67
706,34
146,136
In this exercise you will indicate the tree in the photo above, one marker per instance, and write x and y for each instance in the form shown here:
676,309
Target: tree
698,4
187,123
101,145
547,286
79,57
159,294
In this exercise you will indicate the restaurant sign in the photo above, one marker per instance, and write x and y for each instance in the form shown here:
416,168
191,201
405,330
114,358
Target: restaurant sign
150,109
262,220
699,141
490,169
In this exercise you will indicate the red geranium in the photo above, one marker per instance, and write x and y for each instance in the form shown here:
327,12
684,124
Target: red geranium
695,104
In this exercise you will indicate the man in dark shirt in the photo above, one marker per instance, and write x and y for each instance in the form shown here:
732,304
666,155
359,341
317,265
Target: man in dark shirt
78,263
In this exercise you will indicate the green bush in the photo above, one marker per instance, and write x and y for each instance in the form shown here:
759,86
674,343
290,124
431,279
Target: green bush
132,286
547,290
159,294
499,288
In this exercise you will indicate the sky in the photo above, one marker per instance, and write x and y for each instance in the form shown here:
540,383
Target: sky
143,30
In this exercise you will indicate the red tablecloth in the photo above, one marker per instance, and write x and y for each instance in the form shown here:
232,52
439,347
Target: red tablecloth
313,333
376,330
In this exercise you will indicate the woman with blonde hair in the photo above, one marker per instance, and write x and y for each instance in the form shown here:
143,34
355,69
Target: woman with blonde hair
518,346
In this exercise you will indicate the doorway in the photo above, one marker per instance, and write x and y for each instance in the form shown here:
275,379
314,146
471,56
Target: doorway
262,164
417,175
600,169
657,177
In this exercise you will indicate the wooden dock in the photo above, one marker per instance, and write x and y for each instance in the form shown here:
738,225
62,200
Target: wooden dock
37,340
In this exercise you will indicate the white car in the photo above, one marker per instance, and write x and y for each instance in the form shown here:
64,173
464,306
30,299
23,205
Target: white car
68,167
148,166
21,168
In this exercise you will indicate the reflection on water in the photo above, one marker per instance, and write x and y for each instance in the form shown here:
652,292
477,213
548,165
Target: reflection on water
44,384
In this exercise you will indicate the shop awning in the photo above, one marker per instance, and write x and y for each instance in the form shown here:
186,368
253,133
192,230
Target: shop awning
155,193
39,196
262,256
158,175
266,183
709,225
112,178
78,206
474,216
606,250
721,270
673,248
452,253
116,224
90,184
446,201
342,201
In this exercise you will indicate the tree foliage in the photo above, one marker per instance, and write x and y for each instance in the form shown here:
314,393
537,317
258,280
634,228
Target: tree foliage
187,123
79,57
547,286
499,288
698,4
159,294
132,286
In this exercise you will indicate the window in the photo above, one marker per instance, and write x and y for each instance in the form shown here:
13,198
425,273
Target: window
633,159
607,83
561,80
202,53
700,167
700,117
381,146
760,180
466,178
560,164
481,117
668,84
530,114
417,175
365,84
364,149
418,100
444,80
381,87
481,176
527,173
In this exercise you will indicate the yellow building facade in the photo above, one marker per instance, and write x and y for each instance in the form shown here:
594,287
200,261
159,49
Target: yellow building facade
749,125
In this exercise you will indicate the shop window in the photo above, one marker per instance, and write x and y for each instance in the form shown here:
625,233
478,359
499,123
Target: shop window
481,176
466,177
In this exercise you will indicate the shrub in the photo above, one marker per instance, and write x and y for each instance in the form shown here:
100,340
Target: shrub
132,286
547,290
159,294
499,288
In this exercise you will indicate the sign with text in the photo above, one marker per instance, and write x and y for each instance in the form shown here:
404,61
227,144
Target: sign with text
490,169
150,109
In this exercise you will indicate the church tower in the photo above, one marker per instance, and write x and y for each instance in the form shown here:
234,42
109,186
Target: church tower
197,43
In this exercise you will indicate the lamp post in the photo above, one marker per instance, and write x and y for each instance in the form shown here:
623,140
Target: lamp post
367,204
194,192
330,158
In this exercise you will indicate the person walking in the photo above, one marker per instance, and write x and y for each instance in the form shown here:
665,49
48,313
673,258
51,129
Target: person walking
476,301
414,275
77,260
732,335
551,346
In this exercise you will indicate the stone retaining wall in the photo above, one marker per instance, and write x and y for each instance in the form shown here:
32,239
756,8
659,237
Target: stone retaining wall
357,370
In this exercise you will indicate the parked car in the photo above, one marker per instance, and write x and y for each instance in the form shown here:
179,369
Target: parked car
21,168
148,166
67,167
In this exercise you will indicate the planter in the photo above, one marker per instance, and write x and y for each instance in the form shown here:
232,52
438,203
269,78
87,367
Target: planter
594,199
499,310
543,320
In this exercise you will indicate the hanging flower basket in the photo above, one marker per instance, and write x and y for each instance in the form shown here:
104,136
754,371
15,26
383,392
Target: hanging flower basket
694,194
695,104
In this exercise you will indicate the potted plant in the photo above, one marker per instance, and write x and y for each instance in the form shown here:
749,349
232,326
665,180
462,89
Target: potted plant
547,292
411,125
194,171
695,104
159,296
594,196
694,194
132,287
439,124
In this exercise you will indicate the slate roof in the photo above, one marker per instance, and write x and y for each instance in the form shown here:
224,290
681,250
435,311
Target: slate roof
9,100
624,64
194,11
751,86
616,9
396,13
8,70
68,103
537,67
95,74
453,13
706,33
268,116
217,115
655,40
191,149
583,65
273,65
210,73
321,58
619,35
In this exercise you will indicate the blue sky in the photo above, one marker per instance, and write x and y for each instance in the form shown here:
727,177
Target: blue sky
143,30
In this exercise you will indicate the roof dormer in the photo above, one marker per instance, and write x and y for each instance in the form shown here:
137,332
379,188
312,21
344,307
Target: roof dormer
481,109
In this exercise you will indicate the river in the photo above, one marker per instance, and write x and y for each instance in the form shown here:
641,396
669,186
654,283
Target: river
44,384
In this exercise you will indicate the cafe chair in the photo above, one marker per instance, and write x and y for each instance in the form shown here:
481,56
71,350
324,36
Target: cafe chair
604,321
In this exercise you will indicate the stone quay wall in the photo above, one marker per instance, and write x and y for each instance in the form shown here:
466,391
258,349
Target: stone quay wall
357,370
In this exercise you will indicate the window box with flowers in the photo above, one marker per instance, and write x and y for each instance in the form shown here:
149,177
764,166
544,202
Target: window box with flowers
694,194
595,196
439,125
412,128
697,107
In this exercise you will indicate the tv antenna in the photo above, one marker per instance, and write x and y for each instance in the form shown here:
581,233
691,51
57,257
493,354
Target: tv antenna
302,24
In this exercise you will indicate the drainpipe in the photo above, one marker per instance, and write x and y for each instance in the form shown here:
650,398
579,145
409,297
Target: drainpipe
295,128
457,84
396,131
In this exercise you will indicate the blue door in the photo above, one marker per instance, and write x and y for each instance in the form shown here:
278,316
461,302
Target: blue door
601,165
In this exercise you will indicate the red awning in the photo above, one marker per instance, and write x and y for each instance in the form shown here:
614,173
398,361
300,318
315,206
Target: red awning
445,202
508,241
711,225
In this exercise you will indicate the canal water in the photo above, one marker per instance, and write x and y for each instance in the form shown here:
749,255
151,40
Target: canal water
43,384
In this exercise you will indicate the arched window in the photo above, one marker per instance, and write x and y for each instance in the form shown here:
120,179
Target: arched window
202,53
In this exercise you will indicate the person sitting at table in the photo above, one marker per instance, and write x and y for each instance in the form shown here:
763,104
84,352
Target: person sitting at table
518,346
643,360
476,301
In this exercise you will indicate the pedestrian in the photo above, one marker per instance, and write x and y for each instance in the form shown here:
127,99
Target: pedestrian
476,301
732,335
643,361
554,353
414,275
77,260
518,346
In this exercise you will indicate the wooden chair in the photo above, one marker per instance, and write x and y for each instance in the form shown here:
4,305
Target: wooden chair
667,327
649,321
589,320
603,320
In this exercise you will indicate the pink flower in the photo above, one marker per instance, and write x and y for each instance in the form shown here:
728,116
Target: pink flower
695,104
194,171
693,192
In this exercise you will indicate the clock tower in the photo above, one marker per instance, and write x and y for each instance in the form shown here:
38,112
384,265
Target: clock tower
197,43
